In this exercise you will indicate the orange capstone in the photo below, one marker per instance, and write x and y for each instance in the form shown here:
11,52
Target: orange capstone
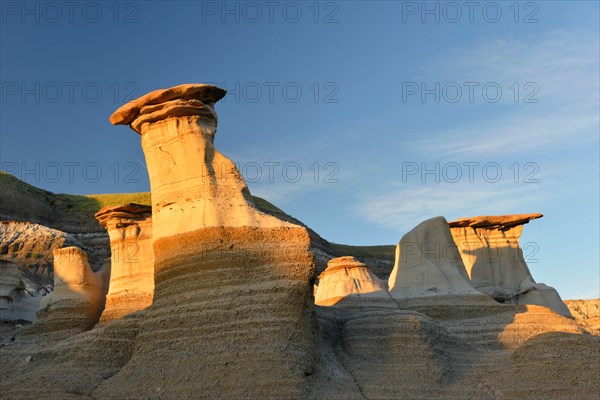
207,94
494,221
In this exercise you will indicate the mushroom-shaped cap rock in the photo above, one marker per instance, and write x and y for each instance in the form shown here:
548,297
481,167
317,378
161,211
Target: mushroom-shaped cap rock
494,222
207,94
130,210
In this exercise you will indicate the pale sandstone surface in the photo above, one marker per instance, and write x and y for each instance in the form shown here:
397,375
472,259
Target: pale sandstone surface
489,247
347,278
586,313
78,297
428,265
131,286
446,344
501,351
19,297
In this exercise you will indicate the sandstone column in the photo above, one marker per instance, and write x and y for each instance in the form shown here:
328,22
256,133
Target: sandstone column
131,285
193,185
78,297
489,247
231,315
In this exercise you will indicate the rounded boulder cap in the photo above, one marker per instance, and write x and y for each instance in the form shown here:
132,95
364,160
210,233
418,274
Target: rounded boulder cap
207,94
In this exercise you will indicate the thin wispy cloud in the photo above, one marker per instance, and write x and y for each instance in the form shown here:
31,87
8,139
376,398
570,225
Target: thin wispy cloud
563,65
521,134
404,208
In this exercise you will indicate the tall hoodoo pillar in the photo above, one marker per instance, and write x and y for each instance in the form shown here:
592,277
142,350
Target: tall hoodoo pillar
78,297
131,287
232,284
193,185
489,247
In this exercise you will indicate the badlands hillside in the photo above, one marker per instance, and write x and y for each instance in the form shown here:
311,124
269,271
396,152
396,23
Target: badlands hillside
34,219
200,290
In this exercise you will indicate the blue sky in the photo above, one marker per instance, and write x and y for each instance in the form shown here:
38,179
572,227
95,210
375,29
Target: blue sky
500,103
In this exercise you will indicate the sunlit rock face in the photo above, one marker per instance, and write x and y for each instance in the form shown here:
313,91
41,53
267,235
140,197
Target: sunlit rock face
193,185
19,297
347,279
586,313
489,247
429,267
131,285
79,293
231,316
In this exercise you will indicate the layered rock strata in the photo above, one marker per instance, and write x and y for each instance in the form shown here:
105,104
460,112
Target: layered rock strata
231,313
131,285
490,250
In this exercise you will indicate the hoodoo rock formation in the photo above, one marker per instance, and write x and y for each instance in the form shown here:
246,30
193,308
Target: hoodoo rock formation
79,293
244,275
348,279
232,314
489,247
428,265
193,185
131,286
